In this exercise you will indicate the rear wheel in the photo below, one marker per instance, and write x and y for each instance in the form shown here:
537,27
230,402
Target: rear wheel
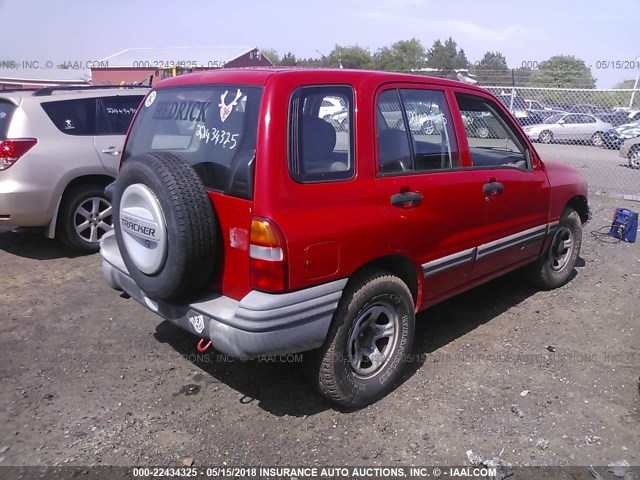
165,225
546,136
597,139
368,343
634,158
85,216
554,268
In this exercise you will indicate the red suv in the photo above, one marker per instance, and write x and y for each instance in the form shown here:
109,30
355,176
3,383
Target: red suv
244,217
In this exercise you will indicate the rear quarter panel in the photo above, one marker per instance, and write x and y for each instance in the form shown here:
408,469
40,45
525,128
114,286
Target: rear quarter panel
339,223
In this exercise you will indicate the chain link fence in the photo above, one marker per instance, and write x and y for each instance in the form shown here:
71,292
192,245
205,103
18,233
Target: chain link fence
594,130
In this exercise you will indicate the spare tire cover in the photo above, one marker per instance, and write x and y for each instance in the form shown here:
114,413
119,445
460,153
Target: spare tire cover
165,225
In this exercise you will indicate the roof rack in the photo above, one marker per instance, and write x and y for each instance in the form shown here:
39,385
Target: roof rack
41,92
13,90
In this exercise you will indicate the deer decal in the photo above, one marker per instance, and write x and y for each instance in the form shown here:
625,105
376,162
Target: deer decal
225,110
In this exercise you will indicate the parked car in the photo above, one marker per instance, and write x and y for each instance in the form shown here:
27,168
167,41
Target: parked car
425,119
330,106
619,118
533,105
59,148
575,127
590,109
280,236
630,150
516,106
615,137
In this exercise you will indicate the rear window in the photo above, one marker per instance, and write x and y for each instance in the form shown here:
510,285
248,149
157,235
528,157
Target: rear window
213,127
6,111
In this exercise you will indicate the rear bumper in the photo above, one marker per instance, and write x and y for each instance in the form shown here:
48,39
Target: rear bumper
259,324
24,205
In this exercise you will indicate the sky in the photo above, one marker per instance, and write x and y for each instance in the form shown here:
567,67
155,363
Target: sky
522,30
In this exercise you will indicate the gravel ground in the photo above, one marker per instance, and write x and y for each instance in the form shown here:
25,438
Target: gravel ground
534,378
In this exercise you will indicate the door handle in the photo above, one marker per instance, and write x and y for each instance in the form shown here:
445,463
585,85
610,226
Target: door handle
111,151
492,188
406,199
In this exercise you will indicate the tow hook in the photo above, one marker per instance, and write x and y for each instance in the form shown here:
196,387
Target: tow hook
202,346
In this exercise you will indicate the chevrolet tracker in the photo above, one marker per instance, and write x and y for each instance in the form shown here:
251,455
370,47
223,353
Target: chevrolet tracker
247,216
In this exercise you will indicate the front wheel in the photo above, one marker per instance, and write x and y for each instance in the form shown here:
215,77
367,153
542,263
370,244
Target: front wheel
368,342
85,216
546,136
554,268
483,132
634,158
427,128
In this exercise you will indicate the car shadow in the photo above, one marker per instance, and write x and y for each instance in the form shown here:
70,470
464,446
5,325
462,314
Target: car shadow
627,166
31,243
265,380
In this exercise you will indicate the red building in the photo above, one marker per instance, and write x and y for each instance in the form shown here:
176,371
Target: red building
149,65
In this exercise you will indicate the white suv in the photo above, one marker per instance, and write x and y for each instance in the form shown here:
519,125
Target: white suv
59,148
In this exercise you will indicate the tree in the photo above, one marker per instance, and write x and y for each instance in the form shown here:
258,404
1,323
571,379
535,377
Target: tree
522,76
402,56
563,71
492,70
288,60
271,54
446,57
626,84
350,57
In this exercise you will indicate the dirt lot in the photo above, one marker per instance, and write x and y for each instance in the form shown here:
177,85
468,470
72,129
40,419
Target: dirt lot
539,378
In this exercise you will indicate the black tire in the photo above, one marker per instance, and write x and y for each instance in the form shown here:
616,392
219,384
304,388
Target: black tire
597,139
545,136
191,224
555,267
483,132
331,367
634,157
84,217
427,128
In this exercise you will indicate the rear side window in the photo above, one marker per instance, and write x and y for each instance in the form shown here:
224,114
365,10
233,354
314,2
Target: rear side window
73,117
415,132
115,114
6,111
213,127
320,134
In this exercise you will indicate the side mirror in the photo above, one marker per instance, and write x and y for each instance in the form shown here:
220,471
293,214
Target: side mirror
561,121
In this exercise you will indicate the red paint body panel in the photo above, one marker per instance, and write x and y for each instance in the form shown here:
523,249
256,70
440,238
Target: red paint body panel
234,219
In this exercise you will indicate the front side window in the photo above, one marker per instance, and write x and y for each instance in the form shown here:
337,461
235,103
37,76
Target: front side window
492,139
115,114
213,127
415,132
321,137
73,117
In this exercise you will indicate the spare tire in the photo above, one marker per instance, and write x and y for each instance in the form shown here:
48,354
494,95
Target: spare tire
165,225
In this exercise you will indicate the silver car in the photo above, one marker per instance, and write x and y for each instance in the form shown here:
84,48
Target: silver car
630,150
59,148
576,127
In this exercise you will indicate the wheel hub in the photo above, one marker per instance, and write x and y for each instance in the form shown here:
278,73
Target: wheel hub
92,219
143,228
561,248
372,339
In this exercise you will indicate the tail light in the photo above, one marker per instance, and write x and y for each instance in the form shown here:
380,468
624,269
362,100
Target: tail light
12,150
267,256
